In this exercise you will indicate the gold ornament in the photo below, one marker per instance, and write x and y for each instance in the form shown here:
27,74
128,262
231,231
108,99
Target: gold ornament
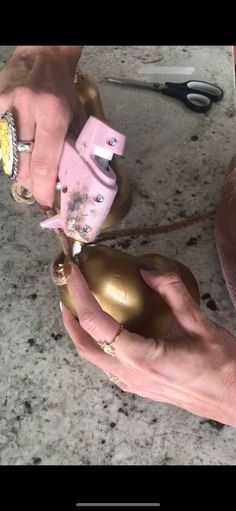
114,279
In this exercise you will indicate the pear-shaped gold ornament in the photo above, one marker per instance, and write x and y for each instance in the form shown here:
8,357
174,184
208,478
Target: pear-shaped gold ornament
115,281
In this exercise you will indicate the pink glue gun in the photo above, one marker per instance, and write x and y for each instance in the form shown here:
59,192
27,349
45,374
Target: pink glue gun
86,181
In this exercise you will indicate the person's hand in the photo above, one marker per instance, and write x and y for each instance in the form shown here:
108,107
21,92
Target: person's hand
194,367
37,87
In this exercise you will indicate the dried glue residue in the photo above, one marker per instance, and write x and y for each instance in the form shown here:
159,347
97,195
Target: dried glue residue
80,210
78,199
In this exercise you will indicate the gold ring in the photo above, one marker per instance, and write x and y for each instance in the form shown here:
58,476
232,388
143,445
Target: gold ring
108,347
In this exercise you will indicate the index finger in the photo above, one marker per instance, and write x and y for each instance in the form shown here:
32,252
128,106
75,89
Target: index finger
49,141
99,324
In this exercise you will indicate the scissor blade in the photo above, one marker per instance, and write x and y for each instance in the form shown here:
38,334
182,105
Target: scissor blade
133,83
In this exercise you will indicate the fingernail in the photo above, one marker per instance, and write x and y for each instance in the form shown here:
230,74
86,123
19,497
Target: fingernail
148,267
45,208
67,267
60,305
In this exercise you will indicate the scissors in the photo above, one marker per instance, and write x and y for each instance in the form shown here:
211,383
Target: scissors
197,95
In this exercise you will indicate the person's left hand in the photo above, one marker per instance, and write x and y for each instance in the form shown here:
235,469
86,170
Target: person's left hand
194,367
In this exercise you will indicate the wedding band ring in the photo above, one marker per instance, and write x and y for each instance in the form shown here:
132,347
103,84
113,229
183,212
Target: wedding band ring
25,146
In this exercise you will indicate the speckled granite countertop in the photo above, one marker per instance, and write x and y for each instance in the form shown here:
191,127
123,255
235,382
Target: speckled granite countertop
55,408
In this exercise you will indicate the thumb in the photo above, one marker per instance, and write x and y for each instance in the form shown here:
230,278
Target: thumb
173,291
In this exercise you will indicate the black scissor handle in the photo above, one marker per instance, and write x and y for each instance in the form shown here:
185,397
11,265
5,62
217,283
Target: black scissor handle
198,86
198,102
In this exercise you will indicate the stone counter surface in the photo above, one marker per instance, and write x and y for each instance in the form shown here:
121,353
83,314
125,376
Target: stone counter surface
55,408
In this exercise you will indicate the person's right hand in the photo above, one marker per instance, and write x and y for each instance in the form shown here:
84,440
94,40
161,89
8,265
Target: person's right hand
37,87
